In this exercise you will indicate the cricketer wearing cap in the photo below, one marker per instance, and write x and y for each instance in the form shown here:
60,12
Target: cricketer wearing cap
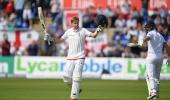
75,37
154,59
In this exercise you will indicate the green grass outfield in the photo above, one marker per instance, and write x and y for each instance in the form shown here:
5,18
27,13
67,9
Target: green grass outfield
53,89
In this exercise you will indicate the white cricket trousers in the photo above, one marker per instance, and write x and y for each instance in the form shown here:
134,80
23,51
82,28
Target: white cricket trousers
73,75
153,69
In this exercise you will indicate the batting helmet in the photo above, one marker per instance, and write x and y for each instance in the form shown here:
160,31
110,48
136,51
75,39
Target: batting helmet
101,20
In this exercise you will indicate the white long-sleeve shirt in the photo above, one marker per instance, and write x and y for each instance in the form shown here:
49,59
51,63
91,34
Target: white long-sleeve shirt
155,45
76,41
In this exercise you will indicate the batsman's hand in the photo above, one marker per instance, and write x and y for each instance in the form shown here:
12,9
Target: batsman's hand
99,28
168,62
47,38
140,44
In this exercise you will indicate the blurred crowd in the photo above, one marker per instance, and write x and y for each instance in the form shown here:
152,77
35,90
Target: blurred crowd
126,21
20,13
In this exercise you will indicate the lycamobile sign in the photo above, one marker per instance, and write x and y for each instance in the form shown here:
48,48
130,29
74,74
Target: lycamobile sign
138,66
6,65
55,66
28,65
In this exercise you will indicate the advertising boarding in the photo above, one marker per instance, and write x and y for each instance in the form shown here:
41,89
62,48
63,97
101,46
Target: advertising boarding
101,68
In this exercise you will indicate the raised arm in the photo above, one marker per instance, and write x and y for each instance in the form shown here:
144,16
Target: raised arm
97,31
58,40
50,39
147,38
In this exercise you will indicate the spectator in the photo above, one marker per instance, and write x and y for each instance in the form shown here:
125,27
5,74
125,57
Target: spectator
127,53
121,39
131,22
120,22
5,46
45,4
34,11
25,24
109,14
32,49
135,13
11,22
27,13
125,9
55,9
9,7
122,18
18,23
163,11
86,18
108,50
117,51
92,12
18,51
116,38
100,11
59,16
124,39
140,32
158,20
3,4
154,15
19,5
3,21
133,33
89,17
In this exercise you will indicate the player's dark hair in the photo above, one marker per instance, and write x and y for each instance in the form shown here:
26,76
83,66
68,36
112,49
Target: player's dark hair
150,25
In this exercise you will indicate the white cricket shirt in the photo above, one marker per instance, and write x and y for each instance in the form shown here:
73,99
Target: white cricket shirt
155,44
76,40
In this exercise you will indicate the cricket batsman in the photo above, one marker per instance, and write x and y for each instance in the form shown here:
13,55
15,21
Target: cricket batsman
75,37
155,42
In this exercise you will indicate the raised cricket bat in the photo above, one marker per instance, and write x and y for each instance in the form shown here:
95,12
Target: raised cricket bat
132,44
42,21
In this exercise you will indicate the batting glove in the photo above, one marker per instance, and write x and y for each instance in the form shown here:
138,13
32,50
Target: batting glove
99,28
168,62
47,38
140,43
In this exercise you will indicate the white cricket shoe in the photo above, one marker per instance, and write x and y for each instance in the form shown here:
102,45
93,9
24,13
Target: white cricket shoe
153,96
73,99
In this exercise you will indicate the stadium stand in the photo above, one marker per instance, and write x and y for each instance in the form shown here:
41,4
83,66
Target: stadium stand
125,24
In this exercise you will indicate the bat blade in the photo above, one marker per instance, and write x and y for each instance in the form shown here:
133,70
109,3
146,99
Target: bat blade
42,21
133,45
